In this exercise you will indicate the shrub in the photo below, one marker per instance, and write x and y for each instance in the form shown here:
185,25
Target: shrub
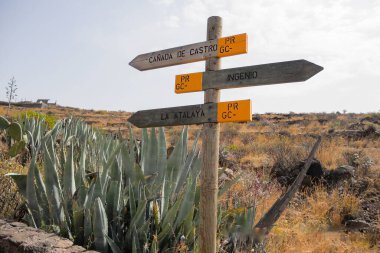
49,119
359,160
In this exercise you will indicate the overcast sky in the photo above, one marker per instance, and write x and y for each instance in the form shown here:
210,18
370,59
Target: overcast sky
77,52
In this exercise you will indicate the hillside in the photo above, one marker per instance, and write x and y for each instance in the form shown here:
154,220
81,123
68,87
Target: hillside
338,207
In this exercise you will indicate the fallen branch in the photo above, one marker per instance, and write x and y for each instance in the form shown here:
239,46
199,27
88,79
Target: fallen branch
267,221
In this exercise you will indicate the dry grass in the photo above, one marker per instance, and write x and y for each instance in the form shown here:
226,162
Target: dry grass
315,225
9,196
312,223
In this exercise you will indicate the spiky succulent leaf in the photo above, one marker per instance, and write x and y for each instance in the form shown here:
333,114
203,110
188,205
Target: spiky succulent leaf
53,188
69,179
15,131
4,123
17,148
114,247
100,226
31,195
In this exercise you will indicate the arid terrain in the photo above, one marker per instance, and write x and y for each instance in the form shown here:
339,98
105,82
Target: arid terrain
337,209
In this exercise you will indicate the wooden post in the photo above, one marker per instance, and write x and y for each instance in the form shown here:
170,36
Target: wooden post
210,156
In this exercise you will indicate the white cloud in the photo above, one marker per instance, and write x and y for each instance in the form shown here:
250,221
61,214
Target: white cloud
171,21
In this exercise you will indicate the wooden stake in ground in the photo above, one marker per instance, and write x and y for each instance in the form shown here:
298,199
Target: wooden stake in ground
210,156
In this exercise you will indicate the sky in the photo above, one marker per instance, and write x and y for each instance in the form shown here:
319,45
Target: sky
77,52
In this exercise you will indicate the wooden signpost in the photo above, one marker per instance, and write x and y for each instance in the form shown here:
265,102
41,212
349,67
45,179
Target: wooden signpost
233,111
213,112
273,73
221,47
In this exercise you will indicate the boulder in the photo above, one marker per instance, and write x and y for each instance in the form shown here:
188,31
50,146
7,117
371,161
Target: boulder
357,225
342,173
286,176
359,186
226,175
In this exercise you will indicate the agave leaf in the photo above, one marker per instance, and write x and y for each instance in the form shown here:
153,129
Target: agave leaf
69,179
78,223
138,218
162,153
110,162
135,244
128,164
144,229
154,246
144,150
189,227
116,168
32,143
53,188
169,219
132,200
89,196
100,226
15,131
111,195
189,163
98,189
4,123
113,245
42,196
165,194
117,201
187,204
150,158
80,174
31,195
161,164
36,133
176,161
87,226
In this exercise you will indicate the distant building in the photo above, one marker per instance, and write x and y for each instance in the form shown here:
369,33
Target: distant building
43,101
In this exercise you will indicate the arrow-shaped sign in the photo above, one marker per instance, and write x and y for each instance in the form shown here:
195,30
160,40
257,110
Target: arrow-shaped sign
233,111
272,73
227,46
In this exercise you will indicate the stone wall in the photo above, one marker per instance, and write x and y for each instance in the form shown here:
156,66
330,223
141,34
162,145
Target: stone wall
16,237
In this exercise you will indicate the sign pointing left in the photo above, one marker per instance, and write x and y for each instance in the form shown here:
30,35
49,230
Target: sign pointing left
233,111
226,46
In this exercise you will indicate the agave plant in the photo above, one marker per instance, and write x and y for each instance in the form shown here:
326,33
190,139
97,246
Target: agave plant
124,195
103,192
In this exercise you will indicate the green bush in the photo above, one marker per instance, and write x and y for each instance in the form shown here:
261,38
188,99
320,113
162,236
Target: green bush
49,119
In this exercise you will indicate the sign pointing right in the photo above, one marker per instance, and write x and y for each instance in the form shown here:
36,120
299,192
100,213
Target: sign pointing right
256,75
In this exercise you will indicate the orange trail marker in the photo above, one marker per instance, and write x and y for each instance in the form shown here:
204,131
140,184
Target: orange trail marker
232,45
235,111
188,82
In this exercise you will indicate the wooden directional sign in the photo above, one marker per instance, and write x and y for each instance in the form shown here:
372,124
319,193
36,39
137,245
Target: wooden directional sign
233,111
226,46
272,73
